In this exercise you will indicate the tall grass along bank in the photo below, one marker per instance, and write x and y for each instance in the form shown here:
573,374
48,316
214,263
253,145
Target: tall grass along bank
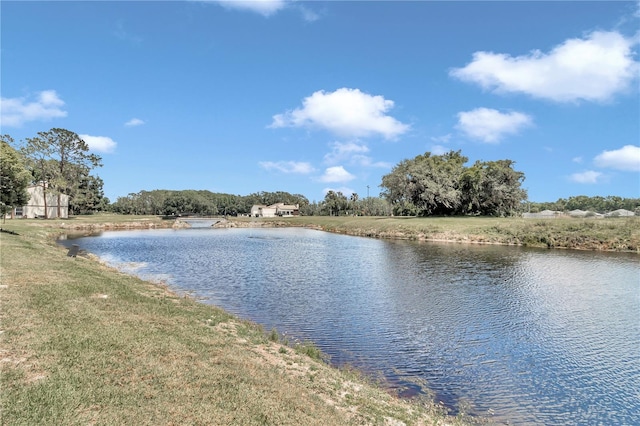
609,234
81,343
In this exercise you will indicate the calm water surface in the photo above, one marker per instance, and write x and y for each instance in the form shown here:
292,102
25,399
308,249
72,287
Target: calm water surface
519,335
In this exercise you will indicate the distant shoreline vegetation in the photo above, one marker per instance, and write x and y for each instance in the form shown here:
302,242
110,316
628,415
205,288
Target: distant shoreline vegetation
427,185
206,203
59,162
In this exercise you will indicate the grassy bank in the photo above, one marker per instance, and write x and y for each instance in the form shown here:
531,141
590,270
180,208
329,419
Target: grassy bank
81,343
610,234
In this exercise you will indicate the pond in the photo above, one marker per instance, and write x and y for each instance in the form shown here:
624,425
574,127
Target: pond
524,336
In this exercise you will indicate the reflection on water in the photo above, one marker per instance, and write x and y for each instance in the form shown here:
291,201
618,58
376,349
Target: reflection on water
524,336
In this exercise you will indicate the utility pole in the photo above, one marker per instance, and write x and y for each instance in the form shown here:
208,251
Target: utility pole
367,191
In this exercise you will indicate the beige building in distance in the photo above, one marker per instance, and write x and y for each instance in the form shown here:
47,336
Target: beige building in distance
35,206
275,210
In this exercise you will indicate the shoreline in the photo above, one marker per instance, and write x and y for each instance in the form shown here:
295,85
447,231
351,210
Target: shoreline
605,235
116,349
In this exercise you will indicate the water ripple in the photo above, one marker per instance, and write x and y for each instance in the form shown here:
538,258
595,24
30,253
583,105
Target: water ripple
524,336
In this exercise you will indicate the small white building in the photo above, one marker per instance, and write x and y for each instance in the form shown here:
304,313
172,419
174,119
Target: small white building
275,210
35,206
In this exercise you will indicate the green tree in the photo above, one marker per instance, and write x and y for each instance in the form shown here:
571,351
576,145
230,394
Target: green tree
60,158
188,202
14,177
492,188
89,196
354,208
37,154
428,182
335,202
442,185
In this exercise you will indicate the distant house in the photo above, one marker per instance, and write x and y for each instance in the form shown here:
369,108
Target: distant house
35,206
275,210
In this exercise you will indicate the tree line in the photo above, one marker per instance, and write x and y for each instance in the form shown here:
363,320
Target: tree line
60,162
596,204
206,203
199,202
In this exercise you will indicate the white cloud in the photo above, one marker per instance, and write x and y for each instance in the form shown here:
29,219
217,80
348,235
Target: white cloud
626,158
352,153
308,14
593,68
577,160
134,122
99,143
16,111
343,151
336,174
439,150
366,161
288,166
345,112
442,139
588,176
263,7
490,125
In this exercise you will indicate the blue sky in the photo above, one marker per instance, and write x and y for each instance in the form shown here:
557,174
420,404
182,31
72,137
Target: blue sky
306,96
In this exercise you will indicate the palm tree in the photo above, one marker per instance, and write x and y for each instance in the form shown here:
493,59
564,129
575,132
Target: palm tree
354,199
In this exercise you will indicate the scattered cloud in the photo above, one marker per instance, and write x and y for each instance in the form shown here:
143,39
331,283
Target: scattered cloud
268,8
345,112
441,139
344,151
577,160
288,166
265,8
14,112
121,33
588,176
439,150
336,174
99,143
594,68
366,161
490,125
308,14
134,122
626,158
352,153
